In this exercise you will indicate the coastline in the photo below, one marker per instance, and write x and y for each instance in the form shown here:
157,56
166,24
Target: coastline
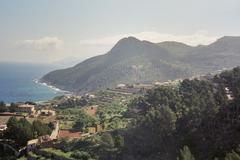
52,87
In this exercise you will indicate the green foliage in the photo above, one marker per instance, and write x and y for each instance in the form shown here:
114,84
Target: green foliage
132,61
103,146
40,129
81,155
25,130
84,121
110,110
12,122
52,152
69,103
107,141
119,66
3,107
196,113
185,154
230,79
119,141
153,133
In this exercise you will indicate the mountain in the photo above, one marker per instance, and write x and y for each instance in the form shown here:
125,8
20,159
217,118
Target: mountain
135,61
224,53
176,48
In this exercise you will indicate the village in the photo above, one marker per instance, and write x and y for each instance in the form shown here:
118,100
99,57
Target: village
76,117
32,112
53,111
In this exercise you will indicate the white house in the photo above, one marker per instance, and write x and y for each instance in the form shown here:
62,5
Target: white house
3,127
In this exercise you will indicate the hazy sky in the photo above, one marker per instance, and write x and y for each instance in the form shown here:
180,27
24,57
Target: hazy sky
51,30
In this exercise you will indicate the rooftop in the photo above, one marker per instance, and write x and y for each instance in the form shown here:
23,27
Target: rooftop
70,134
26,106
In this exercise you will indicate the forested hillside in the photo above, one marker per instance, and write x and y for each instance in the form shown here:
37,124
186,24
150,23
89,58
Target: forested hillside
134,61
196,116
195,120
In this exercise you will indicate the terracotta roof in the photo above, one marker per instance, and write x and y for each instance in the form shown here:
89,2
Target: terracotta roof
69,134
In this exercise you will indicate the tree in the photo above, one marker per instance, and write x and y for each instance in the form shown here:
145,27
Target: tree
153,134
81,155
25,131
12,122
2,103
21,130
51,125
30,103
12,128
40,129
119,141
107,141
185,154
84,121
3,107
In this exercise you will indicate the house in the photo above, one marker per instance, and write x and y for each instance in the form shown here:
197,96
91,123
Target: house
121,86
229,93
47,113
97,128
3,127
27,108
90,96
31,144
157,83
91,130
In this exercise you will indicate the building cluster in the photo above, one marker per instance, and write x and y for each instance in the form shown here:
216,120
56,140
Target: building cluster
140,87
19,109
3,127
45,112
25,111
26,108
97,128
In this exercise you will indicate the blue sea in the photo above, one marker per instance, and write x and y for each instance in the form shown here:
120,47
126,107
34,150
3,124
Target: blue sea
17,83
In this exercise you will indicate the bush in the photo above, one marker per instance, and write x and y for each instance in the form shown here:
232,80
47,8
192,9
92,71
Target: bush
81,155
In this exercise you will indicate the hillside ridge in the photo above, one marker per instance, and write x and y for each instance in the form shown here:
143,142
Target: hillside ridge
138,61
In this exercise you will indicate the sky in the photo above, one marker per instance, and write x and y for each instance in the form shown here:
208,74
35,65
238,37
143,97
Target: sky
50,31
